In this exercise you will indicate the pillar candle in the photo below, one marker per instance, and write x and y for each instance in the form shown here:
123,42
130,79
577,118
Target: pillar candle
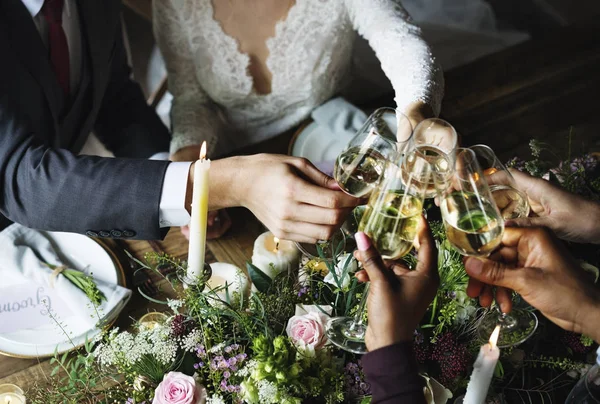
483,371
199,221
282,254
226,274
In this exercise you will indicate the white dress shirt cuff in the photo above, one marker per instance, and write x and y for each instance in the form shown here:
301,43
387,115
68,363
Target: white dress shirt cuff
172,210
160,156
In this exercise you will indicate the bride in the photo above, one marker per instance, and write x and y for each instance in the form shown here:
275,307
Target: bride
243,71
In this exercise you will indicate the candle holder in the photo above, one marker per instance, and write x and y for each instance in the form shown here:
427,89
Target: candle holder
199,280
152,320
12,394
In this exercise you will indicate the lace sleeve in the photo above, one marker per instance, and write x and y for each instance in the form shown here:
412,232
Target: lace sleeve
405,57
194,116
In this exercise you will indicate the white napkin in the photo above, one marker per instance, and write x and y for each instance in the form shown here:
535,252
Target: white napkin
340,117
24,251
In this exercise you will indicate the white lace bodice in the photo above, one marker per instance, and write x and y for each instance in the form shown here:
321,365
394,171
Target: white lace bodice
309,58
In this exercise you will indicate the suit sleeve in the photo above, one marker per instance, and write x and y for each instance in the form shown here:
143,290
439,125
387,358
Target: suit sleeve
126,124
393,375
52,189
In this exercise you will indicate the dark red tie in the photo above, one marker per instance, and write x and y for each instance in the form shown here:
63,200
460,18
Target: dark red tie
52,11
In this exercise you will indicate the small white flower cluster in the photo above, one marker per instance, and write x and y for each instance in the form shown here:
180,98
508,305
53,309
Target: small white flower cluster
248,369
217,348
190,342
125,348
268,392
175,305
215,400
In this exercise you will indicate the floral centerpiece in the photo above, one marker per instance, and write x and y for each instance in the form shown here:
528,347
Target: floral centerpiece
271,346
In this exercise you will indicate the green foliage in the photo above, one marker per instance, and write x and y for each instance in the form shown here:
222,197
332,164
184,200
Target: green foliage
587,341
77,379
260,280
82,281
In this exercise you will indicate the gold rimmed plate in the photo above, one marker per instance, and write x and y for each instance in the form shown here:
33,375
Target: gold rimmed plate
87,255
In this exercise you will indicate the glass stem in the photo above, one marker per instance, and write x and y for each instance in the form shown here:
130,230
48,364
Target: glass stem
359,316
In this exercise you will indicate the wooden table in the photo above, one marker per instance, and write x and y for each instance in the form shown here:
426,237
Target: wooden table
536,89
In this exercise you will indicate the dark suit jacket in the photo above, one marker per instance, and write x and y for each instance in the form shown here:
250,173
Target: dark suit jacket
44,184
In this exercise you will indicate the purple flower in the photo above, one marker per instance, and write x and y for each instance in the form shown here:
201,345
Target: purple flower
226,374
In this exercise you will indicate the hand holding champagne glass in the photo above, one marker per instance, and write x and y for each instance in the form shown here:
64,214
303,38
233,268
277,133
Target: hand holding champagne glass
390,220
358,168
474,227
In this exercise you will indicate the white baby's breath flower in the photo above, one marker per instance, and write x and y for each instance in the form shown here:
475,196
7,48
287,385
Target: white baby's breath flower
217,348
191,341
267,392
175,304
215,400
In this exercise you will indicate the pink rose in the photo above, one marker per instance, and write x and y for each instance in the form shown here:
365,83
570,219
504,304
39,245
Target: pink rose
177,388
308,329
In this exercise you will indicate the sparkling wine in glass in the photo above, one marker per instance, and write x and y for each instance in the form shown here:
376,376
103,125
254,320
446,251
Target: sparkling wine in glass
473,224
474,227
390,220
358,168
510,200
435,141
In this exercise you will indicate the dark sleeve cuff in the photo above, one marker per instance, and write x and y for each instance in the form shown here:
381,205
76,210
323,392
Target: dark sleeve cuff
393,375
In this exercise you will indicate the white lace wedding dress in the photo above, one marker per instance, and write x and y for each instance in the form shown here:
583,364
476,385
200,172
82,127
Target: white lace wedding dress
309,59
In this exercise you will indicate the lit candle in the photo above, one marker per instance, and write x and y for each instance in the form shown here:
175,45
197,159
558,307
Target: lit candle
199,221
483,371
273,256
228,279
11,394
12,398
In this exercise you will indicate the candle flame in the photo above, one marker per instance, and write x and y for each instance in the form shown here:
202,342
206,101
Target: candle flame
490,171
494,336
276,243
8,400
203,151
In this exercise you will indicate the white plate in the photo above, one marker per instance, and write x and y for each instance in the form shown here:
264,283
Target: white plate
318,144
78,252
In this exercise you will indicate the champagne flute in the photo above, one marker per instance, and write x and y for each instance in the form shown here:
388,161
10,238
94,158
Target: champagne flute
510,200
359,167
434,138
474,227
390,220
472,220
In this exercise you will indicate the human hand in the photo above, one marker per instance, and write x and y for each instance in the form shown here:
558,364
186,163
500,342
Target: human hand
398,297
189,153
570,216
219,222
292,197
535,264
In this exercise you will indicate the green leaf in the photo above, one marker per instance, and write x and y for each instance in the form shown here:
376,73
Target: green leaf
499,370
259,278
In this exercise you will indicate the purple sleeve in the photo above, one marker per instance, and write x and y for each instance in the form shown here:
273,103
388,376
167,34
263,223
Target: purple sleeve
393,375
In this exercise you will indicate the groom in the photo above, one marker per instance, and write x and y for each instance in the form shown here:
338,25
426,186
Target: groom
63,73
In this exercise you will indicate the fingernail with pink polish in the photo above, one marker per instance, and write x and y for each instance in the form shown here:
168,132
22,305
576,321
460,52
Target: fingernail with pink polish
362,241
